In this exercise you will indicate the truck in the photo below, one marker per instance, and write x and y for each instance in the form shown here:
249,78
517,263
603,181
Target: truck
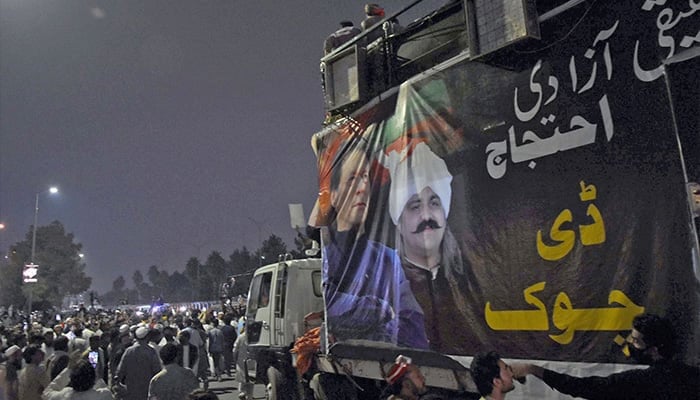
500,175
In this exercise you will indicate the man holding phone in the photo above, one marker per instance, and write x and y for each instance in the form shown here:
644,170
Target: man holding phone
96,356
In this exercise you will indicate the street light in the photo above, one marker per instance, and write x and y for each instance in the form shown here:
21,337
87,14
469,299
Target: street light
51,190
2,251
259,225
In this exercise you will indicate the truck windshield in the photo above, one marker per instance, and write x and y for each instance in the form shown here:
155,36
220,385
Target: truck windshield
259,293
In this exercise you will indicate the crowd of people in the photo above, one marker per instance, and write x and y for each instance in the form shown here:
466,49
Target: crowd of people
124,355
119,354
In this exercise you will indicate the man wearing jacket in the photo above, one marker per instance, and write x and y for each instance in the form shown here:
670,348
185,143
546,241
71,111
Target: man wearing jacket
651,342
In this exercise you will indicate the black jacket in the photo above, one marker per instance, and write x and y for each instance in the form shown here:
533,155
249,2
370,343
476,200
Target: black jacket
662,380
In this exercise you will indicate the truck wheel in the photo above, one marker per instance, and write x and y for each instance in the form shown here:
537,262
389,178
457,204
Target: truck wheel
279,387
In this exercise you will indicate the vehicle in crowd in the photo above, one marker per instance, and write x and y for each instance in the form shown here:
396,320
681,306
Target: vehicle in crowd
505,176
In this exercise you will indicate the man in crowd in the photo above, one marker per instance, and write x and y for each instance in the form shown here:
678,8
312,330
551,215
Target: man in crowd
155,336
229,333
9,373
169,333
59,359
78,382
138,365
77,341
419,204
216,347
651,342
96,356
116,351
196,339
203,368
188,354
33,378
493,377
173,382
366,289
47,345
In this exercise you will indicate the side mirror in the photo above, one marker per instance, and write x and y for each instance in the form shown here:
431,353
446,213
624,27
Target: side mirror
313,251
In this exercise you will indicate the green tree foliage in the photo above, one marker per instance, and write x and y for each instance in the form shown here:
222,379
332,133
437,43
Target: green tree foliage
242,264
193,269
153,274
137,278
61,270
158,280
214,275
271,249
178,285
118,284
199,281
11,284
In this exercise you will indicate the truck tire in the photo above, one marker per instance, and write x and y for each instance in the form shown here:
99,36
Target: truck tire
279,386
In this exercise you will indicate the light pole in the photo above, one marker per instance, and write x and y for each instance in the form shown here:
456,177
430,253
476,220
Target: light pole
259,225
52,190
3,256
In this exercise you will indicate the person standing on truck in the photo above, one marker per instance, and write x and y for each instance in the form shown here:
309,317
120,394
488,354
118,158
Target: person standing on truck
419,204
344,34
374,13
367,295
651,342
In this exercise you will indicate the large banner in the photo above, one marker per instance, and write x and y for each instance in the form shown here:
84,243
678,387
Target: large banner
534,212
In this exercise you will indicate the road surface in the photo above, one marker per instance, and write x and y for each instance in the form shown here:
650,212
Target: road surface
227,389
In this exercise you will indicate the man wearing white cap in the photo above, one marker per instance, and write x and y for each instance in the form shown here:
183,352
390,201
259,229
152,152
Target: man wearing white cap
116,350
419,204
367,295
138,365
9,373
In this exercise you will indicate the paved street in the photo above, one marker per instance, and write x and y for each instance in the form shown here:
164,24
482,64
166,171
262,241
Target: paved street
227,389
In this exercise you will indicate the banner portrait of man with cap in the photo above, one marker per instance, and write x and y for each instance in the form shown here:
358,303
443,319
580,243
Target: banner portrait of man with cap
419,204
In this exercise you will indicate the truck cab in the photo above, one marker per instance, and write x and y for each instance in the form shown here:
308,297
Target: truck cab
280,295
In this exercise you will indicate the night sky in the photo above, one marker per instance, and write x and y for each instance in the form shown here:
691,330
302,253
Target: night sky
172,127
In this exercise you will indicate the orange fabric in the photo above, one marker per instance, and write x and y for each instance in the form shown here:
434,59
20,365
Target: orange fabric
306,347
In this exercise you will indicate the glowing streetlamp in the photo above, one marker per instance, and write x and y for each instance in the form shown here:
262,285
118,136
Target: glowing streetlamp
2,252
